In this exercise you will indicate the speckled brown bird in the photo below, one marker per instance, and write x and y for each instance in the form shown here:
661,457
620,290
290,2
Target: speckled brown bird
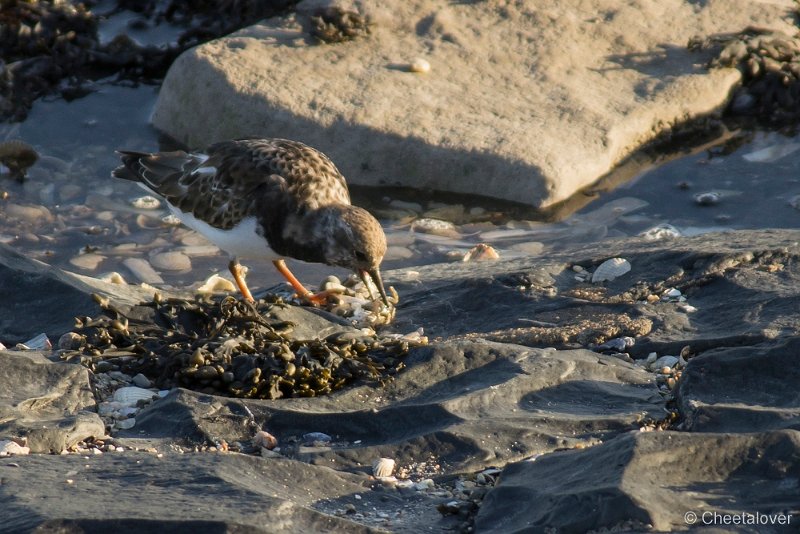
265,199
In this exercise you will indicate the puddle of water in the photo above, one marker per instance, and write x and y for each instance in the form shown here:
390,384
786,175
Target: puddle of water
72,214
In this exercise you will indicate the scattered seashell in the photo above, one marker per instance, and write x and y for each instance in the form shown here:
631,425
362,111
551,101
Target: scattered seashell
672,293
171,220
142,270
436,227
216,284
618,344
383,467
9,447
30,214
481,251
419,65
89,262
662,231
707,199
147,202
265,440
200,250
114,278
610,270
130,395
171,261
40,342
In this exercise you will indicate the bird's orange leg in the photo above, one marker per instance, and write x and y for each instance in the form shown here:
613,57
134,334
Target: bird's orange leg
302,292
236,271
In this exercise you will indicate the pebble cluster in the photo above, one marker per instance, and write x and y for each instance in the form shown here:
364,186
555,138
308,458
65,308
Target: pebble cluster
770,66
227,346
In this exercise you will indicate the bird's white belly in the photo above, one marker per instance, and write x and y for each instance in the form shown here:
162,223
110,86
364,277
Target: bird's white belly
241,241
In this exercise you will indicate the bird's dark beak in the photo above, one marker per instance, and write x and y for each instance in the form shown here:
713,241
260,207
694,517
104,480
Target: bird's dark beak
375,274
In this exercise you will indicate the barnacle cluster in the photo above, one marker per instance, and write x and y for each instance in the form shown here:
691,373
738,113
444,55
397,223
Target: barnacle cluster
770,67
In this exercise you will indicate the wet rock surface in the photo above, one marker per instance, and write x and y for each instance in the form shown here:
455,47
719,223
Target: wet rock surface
512,418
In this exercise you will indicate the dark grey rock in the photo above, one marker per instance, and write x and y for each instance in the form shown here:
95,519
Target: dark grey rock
469,404
204,492
47,403
649,481
742,389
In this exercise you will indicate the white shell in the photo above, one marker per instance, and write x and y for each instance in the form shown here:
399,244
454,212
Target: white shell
383,467
216,283
147,202
611,269
8,447
39,342
130,395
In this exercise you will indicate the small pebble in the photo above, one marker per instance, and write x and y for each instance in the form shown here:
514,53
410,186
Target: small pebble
419,65
126,424
142,381
71,341
265,440
707,199
171,261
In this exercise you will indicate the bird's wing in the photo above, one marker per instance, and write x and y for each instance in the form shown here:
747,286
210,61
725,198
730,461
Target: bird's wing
235,179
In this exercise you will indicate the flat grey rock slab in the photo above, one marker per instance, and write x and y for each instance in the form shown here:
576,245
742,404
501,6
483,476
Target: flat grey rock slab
742,389
523,102
49,404
136,492
651,481
743,287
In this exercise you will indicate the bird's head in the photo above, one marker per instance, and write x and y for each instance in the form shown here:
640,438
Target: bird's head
359,244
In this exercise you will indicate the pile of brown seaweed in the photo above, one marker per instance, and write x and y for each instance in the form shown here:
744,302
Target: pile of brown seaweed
227,346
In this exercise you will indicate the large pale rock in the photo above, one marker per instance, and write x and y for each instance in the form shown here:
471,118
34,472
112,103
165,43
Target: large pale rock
525,101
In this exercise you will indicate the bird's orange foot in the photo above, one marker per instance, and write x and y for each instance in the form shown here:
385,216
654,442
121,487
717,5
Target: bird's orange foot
317,299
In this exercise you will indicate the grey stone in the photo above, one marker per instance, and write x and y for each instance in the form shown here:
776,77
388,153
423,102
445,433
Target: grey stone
650,481
45,402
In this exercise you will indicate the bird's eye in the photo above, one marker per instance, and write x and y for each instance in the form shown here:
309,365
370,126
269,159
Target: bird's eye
360,256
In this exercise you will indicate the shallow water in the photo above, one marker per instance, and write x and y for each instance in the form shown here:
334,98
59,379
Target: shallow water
71,214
